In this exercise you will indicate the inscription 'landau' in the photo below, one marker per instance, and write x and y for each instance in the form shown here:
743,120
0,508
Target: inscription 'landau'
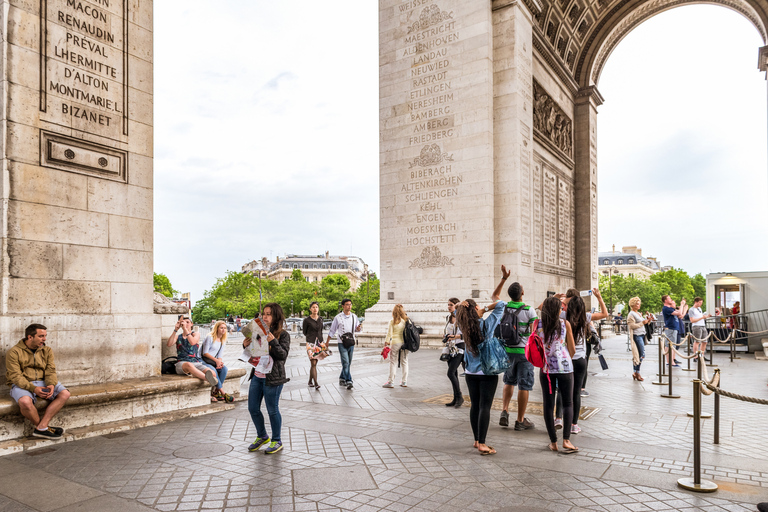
431,154
431,257
551,121
431,15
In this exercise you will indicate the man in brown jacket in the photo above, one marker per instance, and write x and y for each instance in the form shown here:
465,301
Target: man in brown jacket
31,373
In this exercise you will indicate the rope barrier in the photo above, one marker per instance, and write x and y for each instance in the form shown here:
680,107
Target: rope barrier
749,332
743,398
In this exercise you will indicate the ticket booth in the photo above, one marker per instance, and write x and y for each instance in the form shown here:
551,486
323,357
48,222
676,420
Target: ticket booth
750,291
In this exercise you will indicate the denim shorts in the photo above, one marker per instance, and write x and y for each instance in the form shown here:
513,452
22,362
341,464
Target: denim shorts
519,373
17,392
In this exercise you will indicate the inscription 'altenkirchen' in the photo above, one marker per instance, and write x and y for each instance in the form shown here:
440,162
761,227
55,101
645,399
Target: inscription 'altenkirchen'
84,65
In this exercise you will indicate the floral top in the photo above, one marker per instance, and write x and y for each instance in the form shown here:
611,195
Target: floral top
185,351
558,358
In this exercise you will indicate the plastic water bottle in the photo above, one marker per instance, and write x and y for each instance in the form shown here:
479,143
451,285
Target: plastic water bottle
585,293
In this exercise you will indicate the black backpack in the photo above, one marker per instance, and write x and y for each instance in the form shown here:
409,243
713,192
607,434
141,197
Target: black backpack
168,366
507,331
411,339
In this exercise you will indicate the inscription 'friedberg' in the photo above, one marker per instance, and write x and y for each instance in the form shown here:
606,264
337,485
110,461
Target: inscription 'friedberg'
83,65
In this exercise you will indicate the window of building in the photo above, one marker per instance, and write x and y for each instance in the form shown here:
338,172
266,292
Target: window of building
631,261
323,265
307,278
314,266
606,262
306,266
334,265
295,266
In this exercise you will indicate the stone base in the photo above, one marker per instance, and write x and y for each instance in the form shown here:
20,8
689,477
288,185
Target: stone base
98,404
430,316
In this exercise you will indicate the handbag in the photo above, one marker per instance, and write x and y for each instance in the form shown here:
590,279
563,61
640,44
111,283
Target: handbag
493,357
348,338
603,362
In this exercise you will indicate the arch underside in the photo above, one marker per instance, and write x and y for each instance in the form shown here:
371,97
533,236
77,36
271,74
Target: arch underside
576,37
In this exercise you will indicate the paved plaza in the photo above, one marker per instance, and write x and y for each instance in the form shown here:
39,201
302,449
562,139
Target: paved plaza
374,449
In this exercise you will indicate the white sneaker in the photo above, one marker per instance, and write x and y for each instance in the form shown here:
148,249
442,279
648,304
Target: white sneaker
558,423
211,377
388,385
575,429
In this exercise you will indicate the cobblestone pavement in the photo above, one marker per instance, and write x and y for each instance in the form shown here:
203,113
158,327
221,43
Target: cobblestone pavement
374,449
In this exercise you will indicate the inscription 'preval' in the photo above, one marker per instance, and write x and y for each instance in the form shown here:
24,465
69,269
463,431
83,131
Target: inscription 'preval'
83,65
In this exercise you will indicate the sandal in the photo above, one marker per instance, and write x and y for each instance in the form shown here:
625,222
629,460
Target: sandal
552,447
490,451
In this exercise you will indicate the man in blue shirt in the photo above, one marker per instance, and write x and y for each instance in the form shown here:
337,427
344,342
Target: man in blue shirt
672,318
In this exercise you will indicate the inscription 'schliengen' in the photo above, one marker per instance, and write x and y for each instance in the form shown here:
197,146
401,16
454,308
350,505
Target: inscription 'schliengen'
83,63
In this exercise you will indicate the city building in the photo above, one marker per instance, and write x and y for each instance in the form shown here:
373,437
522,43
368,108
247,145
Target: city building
628,262
313,267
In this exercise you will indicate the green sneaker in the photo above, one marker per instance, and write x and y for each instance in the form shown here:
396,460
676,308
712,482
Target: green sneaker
274,447
258,443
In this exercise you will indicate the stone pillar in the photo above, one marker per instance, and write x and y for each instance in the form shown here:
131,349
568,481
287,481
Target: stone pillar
585,181
513,122
436,158
76,152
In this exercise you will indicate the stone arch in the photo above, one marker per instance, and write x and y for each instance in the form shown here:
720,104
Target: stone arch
626,15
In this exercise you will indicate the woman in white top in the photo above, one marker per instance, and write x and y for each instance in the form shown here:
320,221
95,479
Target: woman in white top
636,327
453,338
212,354
394,340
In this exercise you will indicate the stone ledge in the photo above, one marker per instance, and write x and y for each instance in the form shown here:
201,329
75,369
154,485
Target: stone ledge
32,443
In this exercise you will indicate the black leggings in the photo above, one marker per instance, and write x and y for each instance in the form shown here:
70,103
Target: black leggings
564,382
453,375
579,371
481,391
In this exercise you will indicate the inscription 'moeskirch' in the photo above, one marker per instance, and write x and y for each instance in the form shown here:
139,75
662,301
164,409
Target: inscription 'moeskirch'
83,65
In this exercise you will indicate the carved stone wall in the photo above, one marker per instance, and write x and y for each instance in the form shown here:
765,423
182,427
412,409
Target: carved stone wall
551,123
553,215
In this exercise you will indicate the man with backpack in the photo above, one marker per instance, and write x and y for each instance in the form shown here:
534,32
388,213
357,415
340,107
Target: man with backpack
514,331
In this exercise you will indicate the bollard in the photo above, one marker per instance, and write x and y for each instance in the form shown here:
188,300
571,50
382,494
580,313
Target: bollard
700,376
696,484
660,381
670,394
717,414
688,368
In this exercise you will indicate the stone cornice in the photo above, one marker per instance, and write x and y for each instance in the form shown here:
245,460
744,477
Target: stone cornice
762,60
590,93
559,69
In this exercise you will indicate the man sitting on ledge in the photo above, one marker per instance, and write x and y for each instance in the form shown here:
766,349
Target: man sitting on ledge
188,352
31,373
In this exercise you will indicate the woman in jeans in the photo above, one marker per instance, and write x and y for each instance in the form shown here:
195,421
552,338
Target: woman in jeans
268,387
312,327
481,387
636,329
453,335
395,341
212,353
557,373
577,316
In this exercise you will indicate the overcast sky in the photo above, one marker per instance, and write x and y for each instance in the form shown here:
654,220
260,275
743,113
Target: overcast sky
266,137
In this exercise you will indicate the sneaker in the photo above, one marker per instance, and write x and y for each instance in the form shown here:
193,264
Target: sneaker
211,377
558,423
349,384
403,384
575,429
526,424
462,374
48,433
274,447
342,382
584,392
676,366
388,385
57,430
504,419
678,362
258,443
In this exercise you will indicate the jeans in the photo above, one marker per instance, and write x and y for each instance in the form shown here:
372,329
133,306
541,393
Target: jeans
453,375
271,395
640,344
564,383
346,361
481,391
579,370
221,373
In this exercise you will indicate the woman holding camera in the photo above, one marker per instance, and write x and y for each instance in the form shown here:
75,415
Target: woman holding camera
267,387
637,331
455,347
394,340
312,327
212,353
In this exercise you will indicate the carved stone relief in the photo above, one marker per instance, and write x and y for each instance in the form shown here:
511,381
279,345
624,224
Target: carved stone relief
431,257
429,16
431,154
551,122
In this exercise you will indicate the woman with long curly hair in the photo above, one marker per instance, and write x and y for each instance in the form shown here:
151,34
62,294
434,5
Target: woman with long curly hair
267,387
577,316
557,373
394,340
475,330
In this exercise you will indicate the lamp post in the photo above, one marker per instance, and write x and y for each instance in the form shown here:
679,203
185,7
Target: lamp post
609,272
367,285
291,307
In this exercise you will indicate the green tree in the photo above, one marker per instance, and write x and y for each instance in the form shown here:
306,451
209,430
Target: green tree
163,285
366,295
679,282
699,283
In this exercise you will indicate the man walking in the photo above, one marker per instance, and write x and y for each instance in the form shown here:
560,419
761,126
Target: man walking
520,371
31,373
698,325
671,324
344,327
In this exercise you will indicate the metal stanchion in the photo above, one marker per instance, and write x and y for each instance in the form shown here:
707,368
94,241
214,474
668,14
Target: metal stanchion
717,413
671,354
700,376
660,381
711,351
688,368
696,484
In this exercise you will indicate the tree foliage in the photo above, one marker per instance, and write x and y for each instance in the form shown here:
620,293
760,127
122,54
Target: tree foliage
674,282
239,294
163,285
